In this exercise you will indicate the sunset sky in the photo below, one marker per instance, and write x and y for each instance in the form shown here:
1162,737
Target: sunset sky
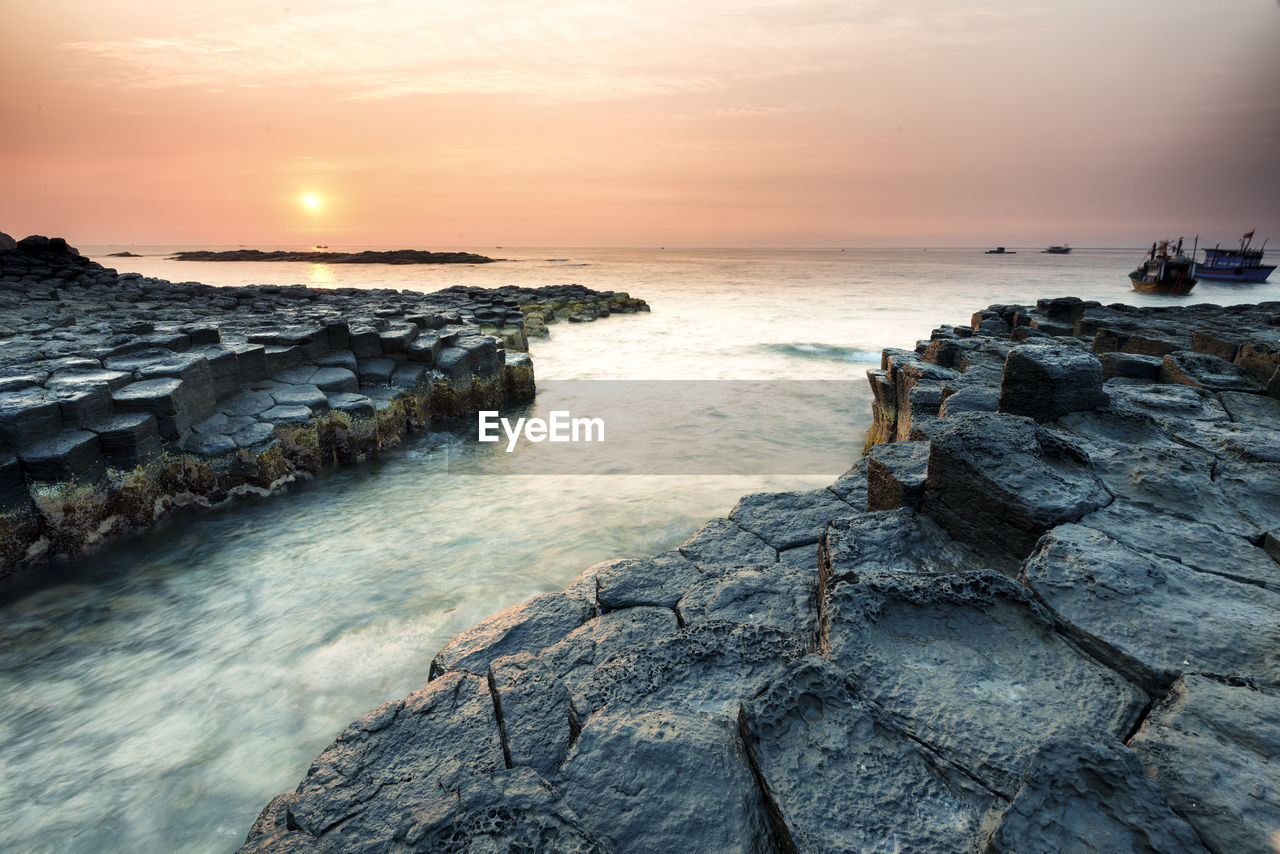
627,123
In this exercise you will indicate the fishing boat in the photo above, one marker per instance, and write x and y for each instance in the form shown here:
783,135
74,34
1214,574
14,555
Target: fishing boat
999,250
1166,270
1064,249
1243,264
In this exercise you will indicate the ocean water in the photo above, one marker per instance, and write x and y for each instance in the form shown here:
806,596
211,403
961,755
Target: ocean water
157,694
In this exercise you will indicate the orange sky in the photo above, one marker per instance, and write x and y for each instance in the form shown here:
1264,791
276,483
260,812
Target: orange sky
665,122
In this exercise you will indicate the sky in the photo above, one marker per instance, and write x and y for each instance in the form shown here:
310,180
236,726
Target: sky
624,123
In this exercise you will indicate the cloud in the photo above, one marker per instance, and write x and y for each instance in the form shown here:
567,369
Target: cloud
548,50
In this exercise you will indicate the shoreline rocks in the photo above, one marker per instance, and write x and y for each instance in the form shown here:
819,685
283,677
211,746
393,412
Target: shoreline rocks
122,397
391,256
1041,614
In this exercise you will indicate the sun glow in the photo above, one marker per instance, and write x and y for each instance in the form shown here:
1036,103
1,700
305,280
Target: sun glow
311,202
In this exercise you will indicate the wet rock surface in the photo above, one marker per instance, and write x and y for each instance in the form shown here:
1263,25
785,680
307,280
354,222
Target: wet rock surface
101,372
1032,622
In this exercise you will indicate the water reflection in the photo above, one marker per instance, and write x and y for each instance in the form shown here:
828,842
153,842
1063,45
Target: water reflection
319,274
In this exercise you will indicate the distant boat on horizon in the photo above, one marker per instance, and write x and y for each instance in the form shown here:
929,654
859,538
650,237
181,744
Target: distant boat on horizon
1064,249
1243,264
999,250
1166,270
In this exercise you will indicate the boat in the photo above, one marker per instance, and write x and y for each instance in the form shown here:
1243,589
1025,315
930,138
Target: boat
1166,270
1064,249
999,250
1243,264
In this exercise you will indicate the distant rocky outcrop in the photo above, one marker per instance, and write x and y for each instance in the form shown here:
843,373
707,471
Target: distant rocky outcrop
1042,614
122,396
392,256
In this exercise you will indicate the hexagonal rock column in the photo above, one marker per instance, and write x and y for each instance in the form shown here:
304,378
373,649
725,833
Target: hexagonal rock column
1046,381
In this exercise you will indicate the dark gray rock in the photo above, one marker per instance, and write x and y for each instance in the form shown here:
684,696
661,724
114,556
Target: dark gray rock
708,668
1201,370
842,779
892,541
1000,480
355,405
1130,365
81,405
1090,796
253,435
774,595
534,713
976,398
166,399
660,580
301,395
1196,545
721,542
851,487
665,781
514,810
129,439
528,627
1154,618
376,372
335,379
601,638
27,416
452,362
402,756
13,486
287,415
1047,380
67,455
1248,408
785,520
339,358
248,403
1210,747
411,376
969,665
896,474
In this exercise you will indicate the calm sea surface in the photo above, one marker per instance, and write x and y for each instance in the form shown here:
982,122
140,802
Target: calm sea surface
156,695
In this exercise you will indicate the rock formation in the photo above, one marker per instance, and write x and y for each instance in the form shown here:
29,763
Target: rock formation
121,395
1041,615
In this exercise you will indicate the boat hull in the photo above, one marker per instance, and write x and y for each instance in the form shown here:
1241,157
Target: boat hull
1241,274
1176,283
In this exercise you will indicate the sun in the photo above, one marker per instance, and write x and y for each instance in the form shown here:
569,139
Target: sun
311,202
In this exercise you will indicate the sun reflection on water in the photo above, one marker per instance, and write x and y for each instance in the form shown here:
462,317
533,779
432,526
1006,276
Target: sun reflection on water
319,274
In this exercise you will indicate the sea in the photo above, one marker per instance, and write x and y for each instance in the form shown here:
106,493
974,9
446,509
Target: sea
157,694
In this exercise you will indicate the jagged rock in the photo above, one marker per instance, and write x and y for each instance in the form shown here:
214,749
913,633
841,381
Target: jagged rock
1194,544
357,405
402,756
977,398
253,435
287,415
892,541
376,372
1090,796
528,627
27,416
1164,617
536,718
67,455
1000,479
166,399
128,440
851,487
660,580
969,665
843,779
774,595
1047,380
514,810
707,668
601,638
785,520
896,475
307,395
1201,370
1210,747
665,781
721,542
1130,365
13,489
